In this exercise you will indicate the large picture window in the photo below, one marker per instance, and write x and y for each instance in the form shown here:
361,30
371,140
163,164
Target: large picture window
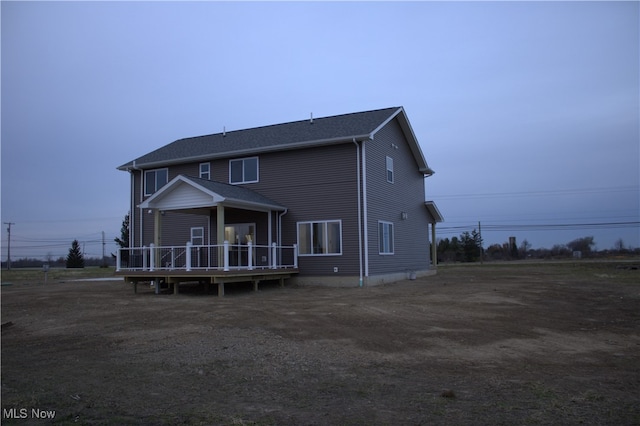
385,237
322,238
244,170
154,180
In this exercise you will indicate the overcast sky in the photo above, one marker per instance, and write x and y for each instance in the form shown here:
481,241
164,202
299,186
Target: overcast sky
528,112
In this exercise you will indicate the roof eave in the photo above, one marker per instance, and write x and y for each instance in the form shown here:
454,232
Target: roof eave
243,152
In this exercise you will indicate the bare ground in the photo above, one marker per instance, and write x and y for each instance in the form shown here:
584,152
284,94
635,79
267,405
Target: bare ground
491,344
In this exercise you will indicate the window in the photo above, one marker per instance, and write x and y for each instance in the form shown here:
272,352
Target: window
389,169
205,171
320,238
244,170
197,236
385,237
154,180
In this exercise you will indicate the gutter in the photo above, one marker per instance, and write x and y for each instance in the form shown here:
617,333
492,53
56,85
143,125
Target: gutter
250,151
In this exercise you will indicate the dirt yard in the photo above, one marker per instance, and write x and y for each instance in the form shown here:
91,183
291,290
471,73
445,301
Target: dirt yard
483,344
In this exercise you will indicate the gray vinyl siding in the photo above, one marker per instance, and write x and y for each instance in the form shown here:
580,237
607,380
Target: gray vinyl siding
386,202
315,184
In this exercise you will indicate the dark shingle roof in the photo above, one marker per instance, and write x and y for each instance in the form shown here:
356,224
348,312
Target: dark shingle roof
234,192
260,139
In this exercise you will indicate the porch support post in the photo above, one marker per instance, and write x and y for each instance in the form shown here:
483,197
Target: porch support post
220,233
434,247
157,228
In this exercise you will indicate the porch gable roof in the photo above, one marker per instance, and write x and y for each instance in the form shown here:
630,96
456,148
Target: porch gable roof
188,193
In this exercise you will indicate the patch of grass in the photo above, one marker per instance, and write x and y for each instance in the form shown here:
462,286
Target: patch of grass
36,275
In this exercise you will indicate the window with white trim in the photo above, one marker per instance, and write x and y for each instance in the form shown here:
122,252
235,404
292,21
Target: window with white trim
205,171
244,170
322,238
389,169
154,180
385,237
197,236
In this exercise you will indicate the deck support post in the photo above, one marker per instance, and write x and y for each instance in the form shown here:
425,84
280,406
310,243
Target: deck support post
255,285
135,287
220,289
175,287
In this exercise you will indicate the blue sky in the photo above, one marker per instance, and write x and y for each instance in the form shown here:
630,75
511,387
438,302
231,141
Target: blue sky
527,111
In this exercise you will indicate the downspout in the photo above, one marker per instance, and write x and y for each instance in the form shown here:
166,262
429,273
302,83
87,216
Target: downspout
359,211
141,199
286,210
365,216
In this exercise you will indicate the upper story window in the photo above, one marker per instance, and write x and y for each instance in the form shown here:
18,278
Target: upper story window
205,171
244,170
385,237
320,238
389,169
154,180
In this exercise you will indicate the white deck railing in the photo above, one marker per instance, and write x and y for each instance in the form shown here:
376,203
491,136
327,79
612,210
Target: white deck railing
222,257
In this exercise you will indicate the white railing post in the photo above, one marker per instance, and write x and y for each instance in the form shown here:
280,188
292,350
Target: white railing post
226,255
173,257
274,261
144,258
250,255
295,256
152,256
188,256
118,257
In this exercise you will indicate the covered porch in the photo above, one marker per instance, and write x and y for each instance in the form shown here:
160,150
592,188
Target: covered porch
227,253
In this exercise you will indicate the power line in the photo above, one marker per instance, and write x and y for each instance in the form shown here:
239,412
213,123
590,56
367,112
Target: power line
555,192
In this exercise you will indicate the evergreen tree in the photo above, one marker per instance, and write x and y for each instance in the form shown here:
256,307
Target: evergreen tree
123,241
470,246
75,259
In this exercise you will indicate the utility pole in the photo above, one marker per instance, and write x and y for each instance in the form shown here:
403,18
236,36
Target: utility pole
480,235
104,262
9,244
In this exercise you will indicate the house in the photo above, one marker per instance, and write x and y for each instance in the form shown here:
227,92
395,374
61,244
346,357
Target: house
337,200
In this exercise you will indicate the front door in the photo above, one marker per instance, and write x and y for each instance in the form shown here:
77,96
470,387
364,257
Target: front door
239,235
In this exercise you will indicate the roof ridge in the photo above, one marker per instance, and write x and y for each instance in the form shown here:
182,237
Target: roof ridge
289,122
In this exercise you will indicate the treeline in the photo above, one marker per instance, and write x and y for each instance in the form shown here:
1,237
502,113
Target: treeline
468,248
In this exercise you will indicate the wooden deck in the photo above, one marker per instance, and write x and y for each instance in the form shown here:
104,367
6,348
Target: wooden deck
213,276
